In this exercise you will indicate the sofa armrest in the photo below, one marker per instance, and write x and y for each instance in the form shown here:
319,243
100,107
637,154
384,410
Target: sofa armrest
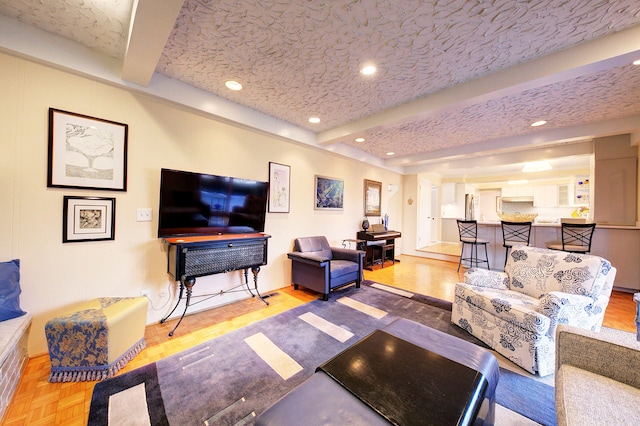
615,355
347,254
312,259
485,278
571,309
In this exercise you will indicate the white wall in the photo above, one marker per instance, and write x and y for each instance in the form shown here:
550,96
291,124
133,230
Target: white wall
56,275
487,205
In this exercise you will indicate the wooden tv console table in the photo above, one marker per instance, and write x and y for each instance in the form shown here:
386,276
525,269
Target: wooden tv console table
198,256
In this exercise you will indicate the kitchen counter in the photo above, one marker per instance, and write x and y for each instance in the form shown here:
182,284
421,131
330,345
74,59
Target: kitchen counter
620,245
558,225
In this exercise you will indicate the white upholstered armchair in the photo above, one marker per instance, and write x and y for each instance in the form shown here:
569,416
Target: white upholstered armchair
516,312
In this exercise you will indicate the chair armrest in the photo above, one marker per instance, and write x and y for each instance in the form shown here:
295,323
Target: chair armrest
485,278
312,259
615,355
567,308
347,254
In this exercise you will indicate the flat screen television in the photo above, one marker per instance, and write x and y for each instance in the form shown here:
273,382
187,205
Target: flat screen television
203,204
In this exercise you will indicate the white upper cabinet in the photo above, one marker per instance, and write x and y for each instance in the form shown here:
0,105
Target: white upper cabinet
449,193
545,196
566,194
517,191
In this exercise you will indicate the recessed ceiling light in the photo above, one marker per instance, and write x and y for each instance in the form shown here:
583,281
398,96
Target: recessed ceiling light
314,120
233,85
536,166
368,70
359,140
391,153
538,123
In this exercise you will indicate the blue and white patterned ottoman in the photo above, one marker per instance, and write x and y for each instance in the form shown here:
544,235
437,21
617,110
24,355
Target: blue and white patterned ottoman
96,339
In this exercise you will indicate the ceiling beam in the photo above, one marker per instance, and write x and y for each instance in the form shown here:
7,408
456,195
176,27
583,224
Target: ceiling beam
586,58
414,163
149,30
481,164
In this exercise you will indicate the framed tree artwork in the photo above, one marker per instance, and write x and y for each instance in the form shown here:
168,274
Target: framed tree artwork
86,152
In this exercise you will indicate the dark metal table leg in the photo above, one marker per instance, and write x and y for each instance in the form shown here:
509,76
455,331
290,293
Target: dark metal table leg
256,270
188,284
246,281
163,320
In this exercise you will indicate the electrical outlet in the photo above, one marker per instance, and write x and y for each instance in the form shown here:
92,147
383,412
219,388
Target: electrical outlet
143,215
144,293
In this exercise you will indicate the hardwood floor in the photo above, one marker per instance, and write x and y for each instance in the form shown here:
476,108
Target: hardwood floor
38,402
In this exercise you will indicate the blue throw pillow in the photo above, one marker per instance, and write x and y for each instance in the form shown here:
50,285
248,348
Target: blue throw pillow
10,290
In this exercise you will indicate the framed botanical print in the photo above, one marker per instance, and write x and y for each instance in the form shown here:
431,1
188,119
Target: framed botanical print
279,187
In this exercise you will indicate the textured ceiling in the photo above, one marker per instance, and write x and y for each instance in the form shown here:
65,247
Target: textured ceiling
601,96
300,58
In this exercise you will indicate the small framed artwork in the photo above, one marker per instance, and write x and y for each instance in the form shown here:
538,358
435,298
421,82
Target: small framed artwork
86,152
329,193
279,184
372,197
88,219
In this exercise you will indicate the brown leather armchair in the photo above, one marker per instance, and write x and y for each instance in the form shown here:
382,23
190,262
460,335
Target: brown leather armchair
319,267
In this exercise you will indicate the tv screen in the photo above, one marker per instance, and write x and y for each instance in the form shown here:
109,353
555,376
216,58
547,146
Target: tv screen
202,204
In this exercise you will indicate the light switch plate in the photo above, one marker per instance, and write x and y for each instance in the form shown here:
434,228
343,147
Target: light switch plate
143,215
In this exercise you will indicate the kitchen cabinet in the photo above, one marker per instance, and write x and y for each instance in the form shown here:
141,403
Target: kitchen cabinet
449,230
566,194
517,191
449,195
545,196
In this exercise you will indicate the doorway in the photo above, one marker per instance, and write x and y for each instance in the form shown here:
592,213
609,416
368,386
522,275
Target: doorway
428,214
430,223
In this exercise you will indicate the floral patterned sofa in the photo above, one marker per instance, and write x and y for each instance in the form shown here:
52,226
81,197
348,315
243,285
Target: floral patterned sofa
516,312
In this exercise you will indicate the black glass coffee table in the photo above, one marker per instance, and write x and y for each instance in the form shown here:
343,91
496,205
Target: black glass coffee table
407,384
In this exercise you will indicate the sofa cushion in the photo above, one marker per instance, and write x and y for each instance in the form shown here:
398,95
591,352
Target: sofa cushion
511,306
10,290
535,272
583,397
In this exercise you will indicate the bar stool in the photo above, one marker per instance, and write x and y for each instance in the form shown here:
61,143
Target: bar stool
514,233
468,230
576,238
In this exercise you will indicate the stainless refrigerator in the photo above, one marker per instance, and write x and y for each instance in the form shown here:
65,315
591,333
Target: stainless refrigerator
469,208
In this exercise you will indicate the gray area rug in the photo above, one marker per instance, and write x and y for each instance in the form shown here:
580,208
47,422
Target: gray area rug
223,381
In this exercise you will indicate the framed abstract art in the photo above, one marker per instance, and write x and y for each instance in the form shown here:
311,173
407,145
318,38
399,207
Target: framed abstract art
329,193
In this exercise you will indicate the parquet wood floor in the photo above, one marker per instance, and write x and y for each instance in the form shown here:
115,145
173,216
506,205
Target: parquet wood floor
38,402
